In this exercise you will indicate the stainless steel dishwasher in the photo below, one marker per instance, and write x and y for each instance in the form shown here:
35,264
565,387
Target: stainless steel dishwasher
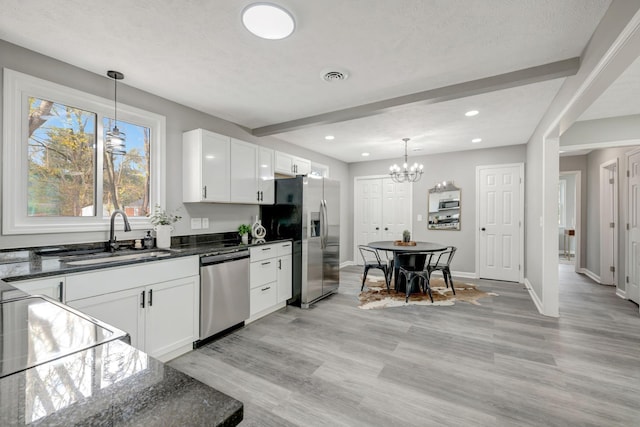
224,292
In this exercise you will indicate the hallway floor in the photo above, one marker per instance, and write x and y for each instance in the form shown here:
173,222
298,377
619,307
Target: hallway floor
496,364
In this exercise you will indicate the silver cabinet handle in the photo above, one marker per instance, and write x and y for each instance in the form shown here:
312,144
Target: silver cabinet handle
266,249
150,297
266,289
142,301
279,264
204,192
60,291
257,195
266,263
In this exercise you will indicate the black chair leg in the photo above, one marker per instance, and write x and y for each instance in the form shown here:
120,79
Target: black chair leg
364,277
451,281
387,281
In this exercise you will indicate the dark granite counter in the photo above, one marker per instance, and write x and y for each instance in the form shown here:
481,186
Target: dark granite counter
32,263
112,384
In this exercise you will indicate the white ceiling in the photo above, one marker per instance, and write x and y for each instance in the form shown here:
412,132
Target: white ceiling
198,54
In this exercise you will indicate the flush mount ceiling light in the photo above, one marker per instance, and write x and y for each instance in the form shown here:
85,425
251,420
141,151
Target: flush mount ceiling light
365,154
329,137
268,21
115,141
406,174
476,140
471,113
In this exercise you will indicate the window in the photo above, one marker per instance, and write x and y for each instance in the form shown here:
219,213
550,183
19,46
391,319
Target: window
562,203
57,177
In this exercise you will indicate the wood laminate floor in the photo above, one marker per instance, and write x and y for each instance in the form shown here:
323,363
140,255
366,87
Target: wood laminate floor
497,364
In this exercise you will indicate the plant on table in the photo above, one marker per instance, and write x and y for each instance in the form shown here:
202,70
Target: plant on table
244,229
406,236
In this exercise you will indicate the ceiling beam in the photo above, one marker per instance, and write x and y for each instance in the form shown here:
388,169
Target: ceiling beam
553,70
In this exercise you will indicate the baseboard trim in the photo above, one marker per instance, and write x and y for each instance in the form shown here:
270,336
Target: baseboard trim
347,264
590,274
622,294
534,296
459,274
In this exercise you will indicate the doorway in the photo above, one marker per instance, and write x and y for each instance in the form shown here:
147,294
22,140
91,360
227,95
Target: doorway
382,210
608,222
500,235
570,218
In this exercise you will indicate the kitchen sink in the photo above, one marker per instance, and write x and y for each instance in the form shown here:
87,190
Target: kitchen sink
112,258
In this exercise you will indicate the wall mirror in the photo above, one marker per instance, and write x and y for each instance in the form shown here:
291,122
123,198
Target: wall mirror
444,207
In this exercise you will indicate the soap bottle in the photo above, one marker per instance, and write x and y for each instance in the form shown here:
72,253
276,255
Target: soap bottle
148,241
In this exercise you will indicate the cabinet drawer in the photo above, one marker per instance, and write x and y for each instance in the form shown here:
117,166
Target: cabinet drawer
263,297
259,253
283,248
103,281
262,272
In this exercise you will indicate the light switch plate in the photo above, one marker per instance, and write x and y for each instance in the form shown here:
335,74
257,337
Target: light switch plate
196,223
419,217
205,222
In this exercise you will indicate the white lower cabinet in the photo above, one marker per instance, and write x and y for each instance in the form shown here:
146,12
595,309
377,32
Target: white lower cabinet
270,277
156,303
120,309
50,286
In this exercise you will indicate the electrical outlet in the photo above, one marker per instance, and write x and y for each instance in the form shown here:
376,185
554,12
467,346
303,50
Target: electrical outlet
205,222
196,223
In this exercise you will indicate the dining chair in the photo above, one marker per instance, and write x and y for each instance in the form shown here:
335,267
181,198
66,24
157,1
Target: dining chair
411,266
371,259
441,262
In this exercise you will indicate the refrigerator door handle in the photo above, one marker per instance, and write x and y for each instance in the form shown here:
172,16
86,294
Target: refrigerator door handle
324,229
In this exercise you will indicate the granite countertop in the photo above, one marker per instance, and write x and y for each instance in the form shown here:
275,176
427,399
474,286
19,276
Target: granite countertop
32,263
112,384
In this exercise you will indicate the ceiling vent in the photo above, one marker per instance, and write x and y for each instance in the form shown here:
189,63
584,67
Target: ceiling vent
334,75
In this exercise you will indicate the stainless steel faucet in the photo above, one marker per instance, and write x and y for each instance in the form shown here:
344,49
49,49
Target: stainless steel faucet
113,245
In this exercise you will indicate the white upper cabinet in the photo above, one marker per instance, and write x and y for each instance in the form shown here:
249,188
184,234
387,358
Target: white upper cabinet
205,167
244,172
251,173
286,164
266,183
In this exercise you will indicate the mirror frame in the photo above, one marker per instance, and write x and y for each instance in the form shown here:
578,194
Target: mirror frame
437,195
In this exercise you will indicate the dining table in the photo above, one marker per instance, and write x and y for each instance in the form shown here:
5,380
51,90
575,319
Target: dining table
417,261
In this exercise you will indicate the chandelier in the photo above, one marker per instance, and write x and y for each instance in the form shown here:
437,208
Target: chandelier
406,174
115,137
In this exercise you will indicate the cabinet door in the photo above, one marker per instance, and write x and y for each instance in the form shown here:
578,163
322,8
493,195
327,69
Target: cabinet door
261,272
285,278
302,166
121,309
284,164
52,287
215,155
172,315
266,183
244,172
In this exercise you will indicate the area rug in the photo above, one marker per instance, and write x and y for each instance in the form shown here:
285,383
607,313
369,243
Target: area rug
375,295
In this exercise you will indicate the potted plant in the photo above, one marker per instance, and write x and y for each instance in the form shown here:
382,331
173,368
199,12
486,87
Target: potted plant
162,224
243,231
406,236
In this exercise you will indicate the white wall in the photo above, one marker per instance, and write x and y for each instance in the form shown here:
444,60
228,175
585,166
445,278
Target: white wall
459,167
178,119
602,61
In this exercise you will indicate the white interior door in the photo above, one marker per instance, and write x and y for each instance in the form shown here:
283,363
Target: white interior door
382,211
499,222
633,241
368,220
608,220
396,209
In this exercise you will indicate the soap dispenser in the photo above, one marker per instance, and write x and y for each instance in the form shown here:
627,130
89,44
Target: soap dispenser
148,241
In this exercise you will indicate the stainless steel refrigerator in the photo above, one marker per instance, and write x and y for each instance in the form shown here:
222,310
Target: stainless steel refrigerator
307,210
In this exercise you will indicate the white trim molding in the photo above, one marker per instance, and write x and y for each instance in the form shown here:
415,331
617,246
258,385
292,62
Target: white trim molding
534,297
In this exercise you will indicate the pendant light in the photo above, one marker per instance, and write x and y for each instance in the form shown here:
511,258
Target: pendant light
115,143
407,173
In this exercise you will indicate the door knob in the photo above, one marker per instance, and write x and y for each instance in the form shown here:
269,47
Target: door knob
386,229
377,228
483,229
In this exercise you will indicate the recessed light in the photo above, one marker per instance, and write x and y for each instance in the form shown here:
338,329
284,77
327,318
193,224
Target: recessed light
268,21
329,137
476,140
365,154
471,113
210,156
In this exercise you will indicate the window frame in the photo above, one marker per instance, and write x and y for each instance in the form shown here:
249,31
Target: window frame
18,87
